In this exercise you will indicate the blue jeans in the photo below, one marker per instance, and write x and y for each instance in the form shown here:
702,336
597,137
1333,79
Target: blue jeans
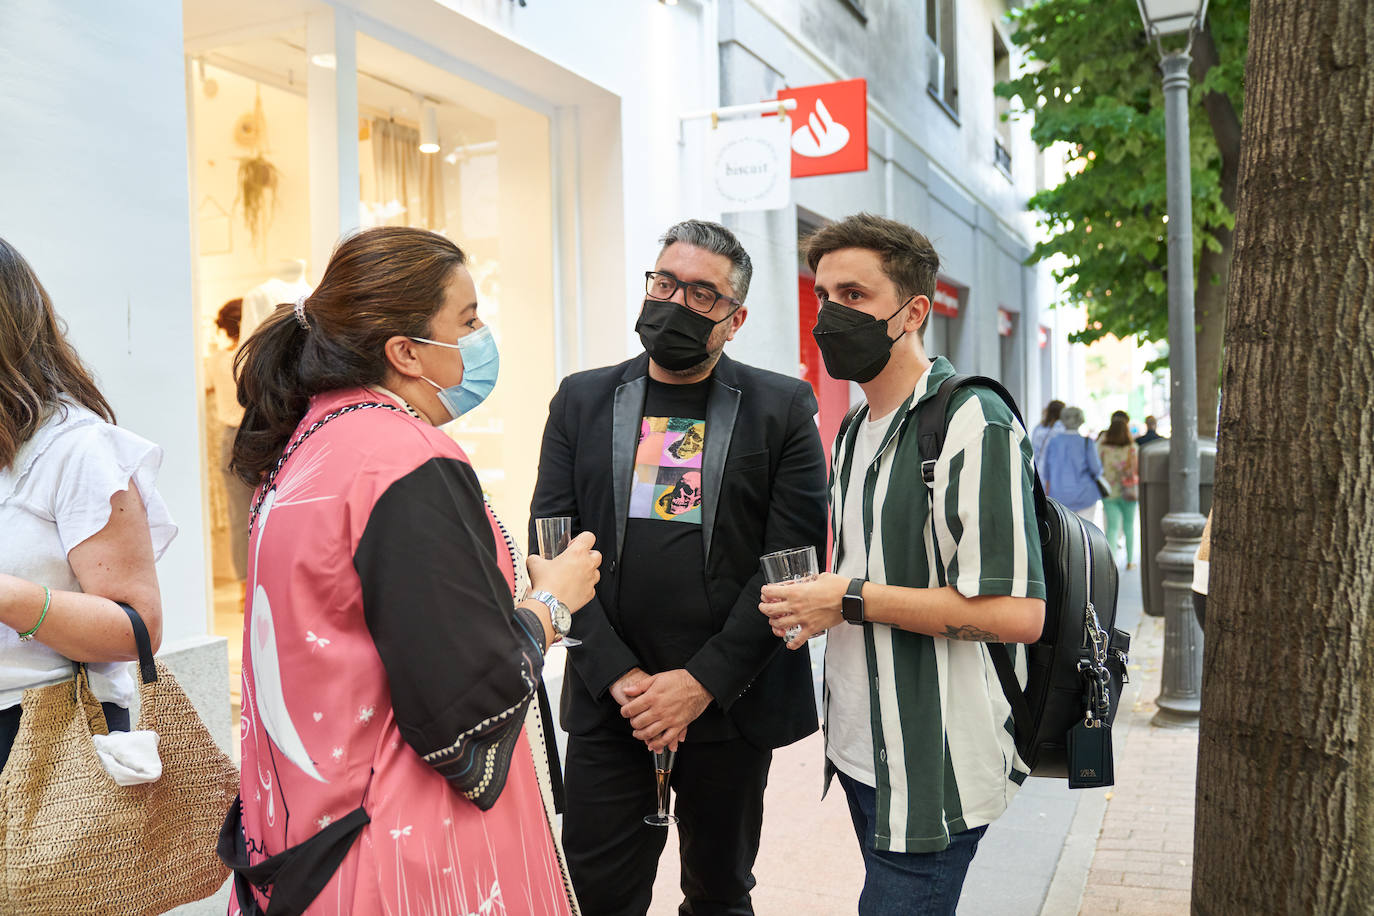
902,883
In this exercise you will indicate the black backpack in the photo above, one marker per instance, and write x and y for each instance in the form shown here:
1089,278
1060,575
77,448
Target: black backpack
1078,666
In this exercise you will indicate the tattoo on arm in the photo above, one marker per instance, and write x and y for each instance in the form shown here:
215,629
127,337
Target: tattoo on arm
970,633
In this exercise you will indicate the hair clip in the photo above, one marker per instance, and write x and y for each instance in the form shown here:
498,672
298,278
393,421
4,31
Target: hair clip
299,309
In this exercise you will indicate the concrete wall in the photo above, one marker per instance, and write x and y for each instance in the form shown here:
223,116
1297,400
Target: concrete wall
926,167
93,193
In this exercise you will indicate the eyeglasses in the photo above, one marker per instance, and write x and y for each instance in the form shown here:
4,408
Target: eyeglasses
659,285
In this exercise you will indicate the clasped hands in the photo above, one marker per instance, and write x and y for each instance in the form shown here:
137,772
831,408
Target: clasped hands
660,706
814,605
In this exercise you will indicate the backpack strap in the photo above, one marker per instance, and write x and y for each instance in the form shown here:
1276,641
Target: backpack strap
1005,666
932,425
849,419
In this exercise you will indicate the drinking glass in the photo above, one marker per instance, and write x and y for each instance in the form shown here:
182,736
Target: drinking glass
796,564
663,771
554,536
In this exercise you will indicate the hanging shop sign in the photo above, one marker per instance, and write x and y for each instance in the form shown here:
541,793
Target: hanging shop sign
747,164
1044,337
1006,322
946,300
830,130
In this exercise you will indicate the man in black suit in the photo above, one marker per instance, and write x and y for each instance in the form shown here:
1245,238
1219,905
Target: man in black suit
688,466
1150,433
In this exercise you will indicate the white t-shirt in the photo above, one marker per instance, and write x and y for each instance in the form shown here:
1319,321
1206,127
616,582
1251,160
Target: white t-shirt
848,728
55,495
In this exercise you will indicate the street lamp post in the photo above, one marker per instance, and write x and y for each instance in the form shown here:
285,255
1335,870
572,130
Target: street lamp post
1180,697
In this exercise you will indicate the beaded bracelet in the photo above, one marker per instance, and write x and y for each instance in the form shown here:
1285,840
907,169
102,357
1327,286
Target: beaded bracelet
47,600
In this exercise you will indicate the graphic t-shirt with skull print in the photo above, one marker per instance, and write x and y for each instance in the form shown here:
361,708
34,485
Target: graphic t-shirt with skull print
664,614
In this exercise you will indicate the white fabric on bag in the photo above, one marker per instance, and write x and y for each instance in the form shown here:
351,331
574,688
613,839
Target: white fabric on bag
130,758
1200,570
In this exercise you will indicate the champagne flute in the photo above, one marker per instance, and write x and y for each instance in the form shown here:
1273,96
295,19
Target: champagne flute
663,771
554,536
796,564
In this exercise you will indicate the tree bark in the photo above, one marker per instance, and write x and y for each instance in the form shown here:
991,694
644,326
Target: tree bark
1214,267
1285,794
1209,313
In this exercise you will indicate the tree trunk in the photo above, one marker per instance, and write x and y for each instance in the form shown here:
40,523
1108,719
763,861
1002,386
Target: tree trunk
1214,267
1285,794
1209,312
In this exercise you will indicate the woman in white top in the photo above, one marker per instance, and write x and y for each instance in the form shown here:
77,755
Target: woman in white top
81,523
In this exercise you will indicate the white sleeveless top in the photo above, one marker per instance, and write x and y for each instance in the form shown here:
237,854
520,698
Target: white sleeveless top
55,495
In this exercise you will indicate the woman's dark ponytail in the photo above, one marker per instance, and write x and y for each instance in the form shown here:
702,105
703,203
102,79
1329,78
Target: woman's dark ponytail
380,283
271,391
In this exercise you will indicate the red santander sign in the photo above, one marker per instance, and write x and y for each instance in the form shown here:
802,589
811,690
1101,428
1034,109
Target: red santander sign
830,128
946,300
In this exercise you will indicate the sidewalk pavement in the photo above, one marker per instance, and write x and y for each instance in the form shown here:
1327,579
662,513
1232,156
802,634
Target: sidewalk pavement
1126,849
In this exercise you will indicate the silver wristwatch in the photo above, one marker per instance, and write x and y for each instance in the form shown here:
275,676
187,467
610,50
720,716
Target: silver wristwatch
560,616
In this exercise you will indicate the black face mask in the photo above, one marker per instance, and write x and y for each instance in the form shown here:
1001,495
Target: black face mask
854,344
676,338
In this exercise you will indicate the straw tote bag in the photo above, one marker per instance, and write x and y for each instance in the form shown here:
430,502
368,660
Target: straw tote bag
73,841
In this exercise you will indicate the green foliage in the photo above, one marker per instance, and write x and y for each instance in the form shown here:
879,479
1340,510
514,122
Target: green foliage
1094,84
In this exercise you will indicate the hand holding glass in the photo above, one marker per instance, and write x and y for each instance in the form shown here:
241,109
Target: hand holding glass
554,536
796,564
663,771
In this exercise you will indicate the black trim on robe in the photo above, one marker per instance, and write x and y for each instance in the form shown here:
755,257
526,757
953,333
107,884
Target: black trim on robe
461,665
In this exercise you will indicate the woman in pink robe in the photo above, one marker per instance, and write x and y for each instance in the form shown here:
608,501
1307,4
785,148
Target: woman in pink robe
388,667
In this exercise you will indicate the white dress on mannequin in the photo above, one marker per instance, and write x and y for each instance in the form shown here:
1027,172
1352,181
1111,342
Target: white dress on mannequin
258,302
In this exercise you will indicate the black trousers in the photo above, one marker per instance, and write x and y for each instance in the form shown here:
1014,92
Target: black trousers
613,855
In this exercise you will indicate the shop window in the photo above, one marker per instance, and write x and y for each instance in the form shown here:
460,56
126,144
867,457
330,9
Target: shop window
435,151
440,152
942,70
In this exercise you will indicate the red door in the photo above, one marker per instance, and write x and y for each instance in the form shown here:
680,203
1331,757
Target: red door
831,394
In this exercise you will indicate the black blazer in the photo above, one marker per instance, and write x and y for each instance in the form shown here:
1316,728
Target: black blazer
764,480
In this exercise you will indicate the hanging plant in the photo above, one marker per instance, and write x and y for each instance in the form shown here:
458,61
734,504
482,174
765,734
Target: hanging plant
258,178
257,181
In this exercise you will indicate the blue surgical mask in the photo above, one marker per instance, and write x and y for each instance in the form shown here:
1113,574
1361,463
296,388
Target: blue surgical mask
481,364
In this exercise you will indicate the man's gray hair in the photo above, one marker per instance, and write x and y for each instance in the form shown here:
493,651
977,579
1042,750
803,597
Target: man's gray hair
715,238
1072,417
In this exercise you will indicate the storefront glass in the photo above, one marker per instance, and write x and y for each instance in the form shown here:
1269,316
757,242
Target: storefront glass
487,186
483,179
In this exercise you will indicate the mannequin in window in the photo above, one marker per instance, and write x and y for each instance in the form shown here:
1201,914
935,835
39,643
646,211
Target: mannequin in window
285,285
228,414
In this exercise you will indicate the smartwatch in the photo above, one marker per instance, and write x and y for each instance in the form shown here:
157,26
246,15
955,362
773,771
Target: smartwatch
852,604
560,616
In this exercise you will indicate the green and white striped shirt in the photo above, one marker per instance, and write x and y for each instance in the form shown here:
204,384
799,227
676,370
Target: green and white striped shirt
944,755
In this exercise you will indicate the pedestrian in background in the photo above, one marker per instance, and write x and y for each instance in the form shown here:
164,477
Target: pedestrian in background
1070,466
1120,459
1149,435
81,522
1050,425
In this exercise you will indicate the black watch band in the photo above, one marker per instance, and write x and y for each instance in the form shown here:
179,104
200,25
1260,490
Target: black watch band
852,604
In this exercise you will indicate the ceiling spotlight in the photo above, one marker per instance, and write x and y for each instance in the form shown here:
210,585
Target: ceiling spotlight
429,129
326,61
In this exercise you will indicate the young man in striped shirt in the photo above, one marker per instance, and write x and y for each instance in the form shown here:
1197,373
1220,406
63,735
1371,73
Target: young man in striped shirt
917,726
